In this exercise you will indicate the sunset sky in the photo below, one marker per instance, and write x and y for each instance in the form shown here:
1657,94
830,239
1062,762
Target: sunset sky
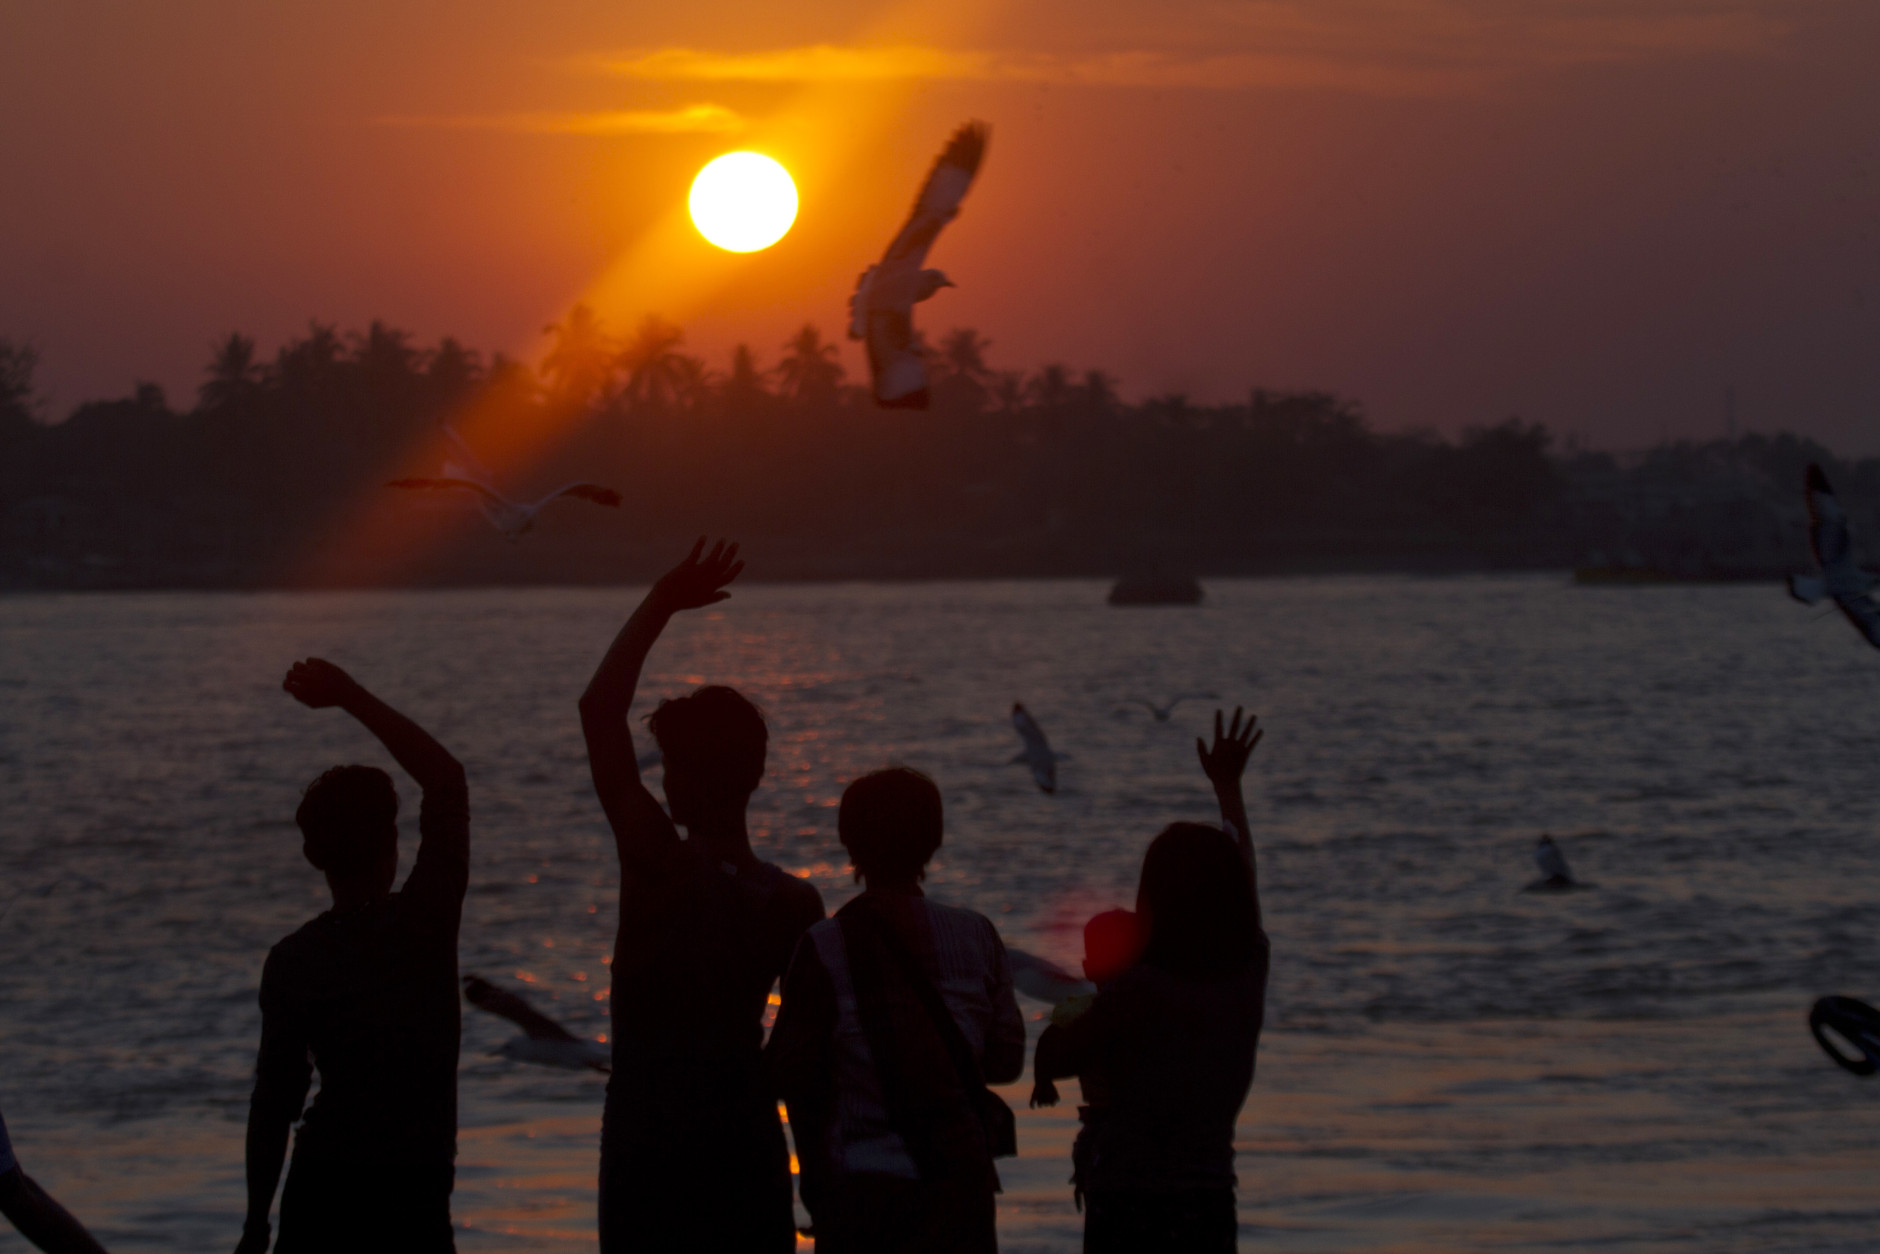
1594,213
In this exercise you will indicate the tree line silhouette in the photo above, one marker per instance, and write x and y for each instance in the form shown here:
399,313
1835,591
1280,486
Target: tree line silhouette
1042,472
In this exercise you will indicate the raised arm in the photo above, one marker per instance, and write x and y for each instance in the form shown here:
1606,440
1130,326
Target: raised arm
642,829
1224,763
40,1218
318,684
442,869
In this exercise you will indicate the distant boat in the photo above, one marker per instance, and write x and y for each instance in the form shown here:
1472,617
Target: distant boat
1156,589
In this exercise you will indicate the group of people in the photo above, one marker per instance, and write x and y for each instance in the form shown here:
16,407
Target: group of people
896,1015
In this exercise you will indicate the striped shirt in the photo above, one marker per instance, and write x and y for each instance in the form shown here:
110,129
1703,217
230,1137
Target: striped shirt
963,955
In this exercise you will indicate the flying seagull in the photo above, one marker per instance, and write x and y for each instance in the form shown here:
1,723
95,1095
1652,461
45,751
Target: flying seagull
513,518
1840,578
1162,712
1037,752
543,1040
1853,1021
1043,979
1555,876
881,312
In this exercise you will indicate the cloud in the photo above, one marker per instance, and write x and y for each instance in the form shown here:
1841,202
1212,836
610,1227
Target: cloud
1390,47
698,119
824,63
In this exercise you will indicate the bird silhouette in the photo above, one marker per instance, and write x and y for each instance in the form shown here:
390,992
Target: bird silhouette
881,310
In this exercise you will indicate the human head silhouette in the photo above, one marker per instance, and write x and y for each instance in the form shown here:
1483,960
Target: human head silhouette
890,822
348,821
713,744
1196,902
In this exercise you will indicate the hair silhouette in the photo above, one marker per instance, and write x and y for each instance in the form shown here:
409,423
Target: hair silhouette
714,740
891,823
348,819
1197,901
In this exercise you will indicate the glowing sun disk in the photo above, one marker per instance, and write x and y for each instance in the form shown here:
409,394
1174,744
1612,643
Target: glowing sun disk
743,201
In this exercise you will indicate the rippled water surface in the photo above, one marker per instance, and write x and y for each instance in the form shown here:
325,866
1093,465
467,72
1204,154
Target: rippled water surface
1450,1064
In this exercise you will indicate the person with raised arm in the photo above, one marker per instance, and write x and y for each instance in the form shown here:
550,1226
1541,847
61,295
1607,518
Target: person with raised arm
367,993
36,1213
692,1150
1173,1037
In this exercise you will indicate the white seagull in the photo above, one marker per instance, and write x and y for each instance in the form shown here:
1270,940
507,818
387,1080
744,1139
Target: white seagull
1037,752
881,312
1553,867
1043,979
543,1041
1840,578
1162,712
513,518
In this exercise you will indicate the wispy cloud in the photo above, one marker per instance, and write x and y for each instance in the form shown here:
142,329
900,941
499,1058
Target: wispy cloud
698,119
1374,46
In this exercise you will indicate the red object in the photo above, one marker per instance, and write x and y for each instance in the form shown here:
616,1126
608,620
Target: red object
1112,940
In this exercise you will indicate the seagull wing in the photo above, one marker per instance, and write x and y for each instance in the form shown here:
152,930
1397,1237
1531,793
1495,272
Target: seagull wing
1551,861
1028,731
1827,523
895,362
469,465
1864,614
1043,979
470,485
537,1026
939,199
598,493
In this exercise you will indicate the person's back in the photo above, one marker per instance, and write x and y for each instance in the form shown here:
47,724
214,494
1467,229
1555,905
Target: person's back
895,1015
367,994
1177,1057
693,1156
1174,1036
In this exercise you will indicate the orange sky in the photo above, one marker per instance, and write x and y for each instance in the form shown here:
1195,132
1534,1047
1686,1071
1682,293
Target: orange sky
1596,213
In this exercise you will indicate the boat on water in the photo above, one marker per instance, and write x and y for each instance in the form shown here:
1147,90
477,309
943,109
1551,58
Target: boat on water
1156,589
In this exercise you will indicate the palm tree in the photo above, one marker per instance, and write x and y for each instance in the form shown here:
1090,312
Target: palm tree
652,362
309,367
963,378
691,382
233,375
453,370
17,362
1051,388
744,385
1099,392
580,363
1008,389
809,372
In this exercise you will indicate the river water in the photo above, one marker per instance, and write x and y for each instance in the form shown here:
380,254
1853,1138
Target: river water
1449,1064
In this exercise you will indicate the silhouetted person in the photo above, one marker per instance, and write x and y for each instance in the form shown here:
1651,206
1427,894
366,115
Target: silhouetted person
896,1014
32,1210
366,992
1112,943
692,1150
1174,1035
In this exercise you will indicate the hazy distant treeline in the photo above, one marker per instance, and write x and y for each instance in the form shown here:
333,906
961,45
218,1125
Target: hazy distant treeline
1011,473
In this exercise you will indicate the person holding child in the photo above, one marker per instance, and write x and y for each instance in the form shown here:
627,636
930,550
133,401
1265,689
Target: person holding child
1170,1041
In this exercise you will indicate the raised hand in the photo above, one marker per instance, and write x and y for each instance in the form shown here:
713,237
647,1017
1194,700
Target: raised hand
318,684
1224,762
697,581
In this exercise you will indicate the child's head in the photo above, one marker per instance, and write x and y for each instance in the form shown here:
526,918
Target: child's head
890,822
348,822
1112,940
713,744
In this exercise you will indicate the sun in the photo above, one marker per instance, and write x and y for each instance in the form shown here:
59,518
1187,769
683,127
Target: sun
743,201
